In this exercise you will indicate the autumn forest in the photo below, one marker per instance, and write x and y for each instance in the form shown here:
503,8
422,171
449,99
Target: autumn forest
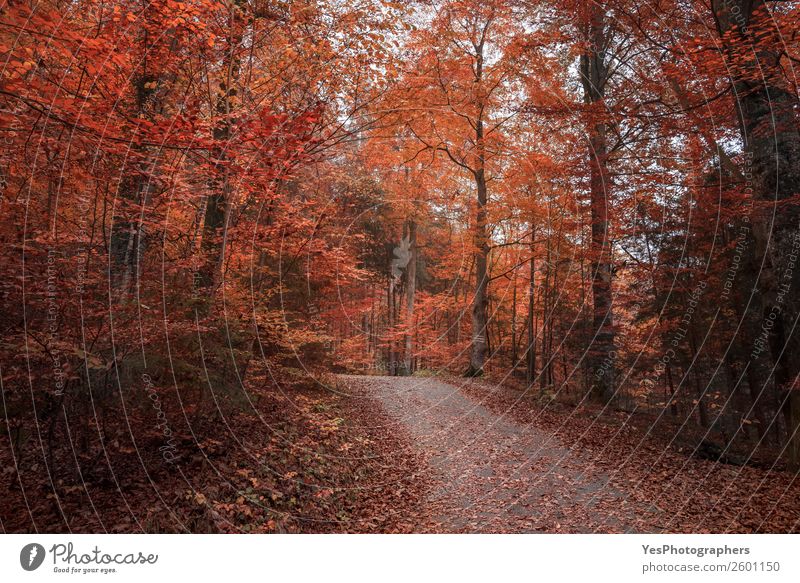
399,266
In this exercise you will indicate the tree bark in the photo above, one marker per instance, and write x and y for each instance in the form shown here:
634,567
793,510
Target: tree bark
411,289
218,206
479,316
479,300
769,127
514,323
127,236
594,75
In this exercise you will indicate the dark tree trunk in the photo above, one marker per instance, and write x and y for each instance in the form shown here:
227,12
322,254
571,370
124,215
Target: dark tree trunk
594,75
531,352
480,345
479,316
127,235
769,128
514,357
411,290
218,207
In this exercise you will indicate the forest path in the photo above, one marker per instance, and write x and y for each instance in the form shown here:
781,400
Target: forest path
488,472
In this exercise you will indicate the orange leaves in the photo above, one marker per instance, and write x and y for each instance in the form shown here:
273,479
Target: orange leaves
16,69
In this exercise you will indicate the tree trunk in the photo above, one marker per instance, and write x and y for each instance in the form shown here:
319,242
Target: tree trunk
594,74
218,207
481,240
546,315
411,289
479,316
769,127
390,368
531,352
514,323
127,236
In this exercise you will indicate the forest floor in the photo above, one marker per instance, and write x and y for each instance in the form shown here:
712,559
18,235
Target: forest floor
374,454
491,462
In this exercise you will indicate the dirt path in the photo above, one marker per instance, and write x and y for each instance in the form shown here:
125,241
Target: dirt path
489,473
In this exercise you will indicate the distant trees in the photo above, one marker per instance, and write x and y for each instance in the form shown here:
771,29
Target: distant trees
629,271
456,101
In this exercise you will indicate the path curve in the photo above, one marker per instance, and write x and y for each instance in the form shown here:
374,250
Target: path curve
490,473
